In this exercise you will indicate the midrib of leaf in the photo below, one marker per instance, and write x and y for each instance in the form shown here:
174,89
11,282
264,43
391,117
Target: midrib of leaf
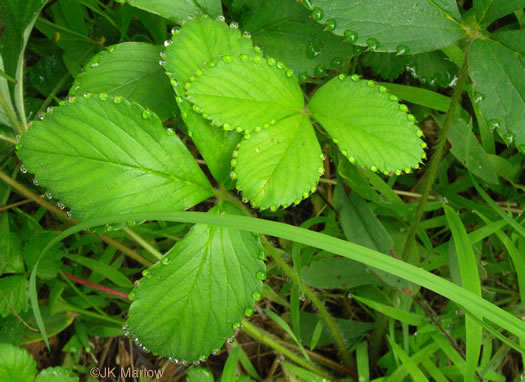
201,266
505,46
486,11
509,78
445,14
282,156
364,133
144,170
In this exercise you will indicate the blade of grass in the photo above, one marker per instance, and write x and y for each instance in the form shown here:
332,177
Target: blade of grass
513,223
468,268
408,363
470,301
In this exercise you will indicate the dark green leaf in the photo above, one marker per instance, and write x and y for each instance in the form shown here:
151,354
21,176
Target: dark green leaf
130,70
284,30
498,74
488,11
406,26
13,295
180,10
11,257
337,273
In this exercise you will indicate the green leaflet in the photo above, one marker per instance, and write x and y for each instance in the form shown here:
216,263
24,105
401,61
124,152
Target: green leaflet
283,29
215,145
179,10
16,364
386,65
498,75
101,155
401,26
13,290
130,70
368,124
433,68
466,148
18,18
11,260
245,93
191,301
488,11
279,165
199,41
4,91
56,374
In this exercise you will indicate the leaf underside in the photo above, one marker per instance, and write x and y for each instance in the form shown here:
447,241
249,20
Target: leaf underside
130,70
101,157
415,25
246,93
189,303
279,165
369,127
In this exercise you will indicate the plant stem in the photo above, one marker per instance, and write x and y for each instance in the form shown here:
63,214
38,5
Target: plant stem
438,154
268,339
147,246
10,115
44,203
7,139
290,273
101,288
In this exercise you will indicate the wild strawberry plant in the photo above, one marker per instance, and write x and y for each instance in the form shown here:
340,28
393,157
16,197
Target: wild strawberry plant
273,107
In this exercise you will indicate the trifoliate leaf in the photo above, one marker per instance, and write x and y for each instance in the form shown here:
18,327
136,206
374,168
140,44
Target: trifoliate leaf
103,156
16,364
370,127
179,10
400,26
498,75
279,165
130,70
283,29
56,374
196,296
200,41
245,92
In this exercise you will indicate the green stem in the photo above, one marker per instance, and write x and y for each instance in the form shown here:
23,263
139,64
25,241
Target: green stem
10,115
95,315
268,339
438,154
292,275
147,246
7,139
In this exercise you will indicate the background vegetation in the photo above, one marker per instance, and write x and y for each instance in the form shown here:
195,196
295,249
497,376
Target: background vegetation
383,271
